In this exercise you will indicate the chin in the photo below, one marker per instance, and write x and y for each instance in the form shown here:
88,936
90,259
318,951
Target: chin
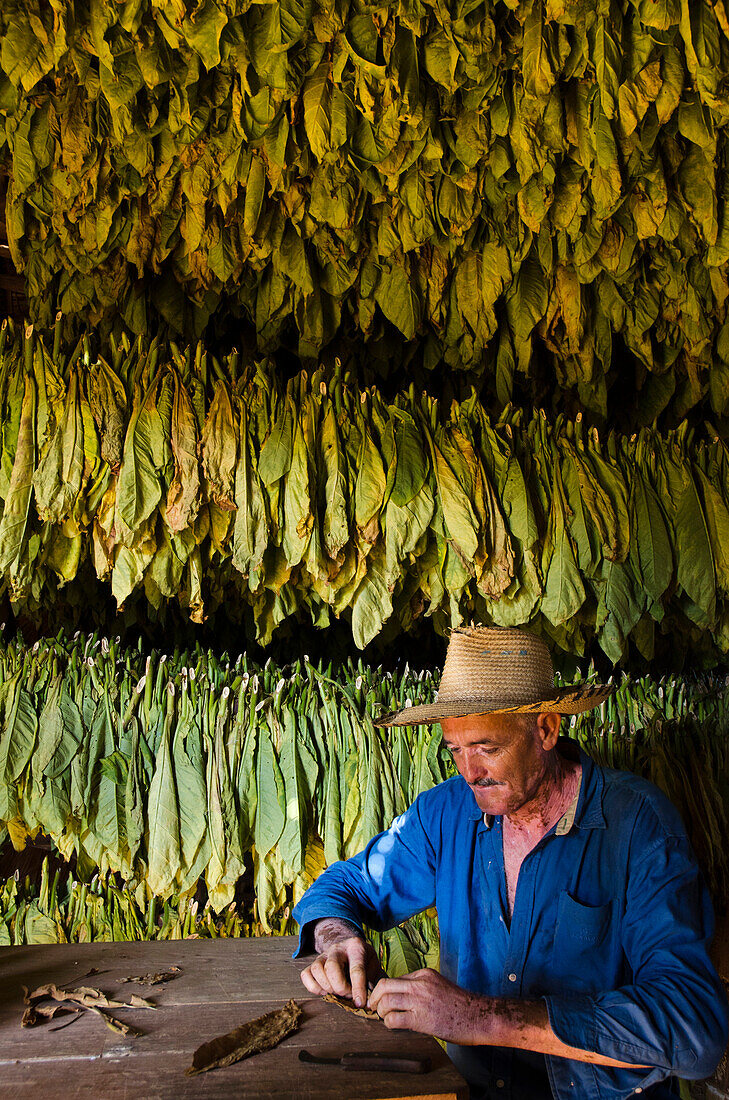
492,800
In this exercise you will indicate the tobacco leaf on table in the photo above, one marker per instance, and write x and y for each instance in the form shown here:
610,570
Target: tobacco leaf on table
83,995
154,979
34,1013
350,1006
117,1026
253,1037
75,1001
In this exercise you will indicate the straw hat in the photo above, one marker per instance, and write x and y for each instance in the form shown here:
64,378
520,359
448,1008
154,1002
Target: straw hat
493,670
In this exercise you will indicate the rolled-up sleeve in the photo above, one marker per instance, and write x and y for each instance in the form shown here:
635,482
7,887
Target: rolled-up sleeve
673,1015
390,880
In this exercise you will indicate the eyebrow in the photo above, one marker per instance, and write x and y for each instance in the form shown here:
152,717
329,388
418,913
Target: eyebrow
485,741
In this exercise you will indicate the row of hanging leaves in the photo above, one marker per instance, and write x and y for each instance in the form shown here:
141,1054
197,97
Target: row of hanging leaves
169,769
476,176
212,483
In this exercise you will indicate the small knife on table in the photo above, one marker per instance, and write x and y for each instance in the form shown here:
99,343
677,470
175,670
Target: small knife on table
385,1063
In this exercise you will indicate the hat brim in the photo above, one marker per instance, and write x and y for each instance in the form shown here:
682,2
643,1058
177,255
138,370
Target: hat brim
570,700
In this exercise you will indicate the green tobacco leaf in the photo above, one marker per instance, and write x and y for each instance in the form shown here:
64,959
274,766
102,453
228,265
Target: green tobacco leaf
251,532
369,491
608,65
203,32
271,800
218,446
372,601
653,541
402,958
189,767
620,607
17,503
62,734
298,519
661,14
298,769
461,523
276,454
717,519
335,526
412,467
325,113
163,824
18,738
183,497
332,819
146,453
537,70
564,591
133,800
397,297
59,477
691,542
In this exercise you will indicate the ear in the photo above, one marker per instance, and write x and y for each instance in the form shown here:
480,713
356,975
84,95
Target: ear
548,728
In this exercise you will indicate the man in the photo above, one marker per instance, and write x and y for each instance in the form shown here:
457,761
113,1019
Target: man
574,924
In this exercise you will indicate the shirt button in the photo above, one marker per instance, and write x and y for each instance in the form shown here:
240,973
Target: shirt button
639,1089
512,977
500,1084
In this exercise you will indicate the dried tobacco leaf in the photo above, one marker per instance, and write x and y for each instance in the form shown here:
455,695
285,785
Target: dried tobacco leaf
117,1025
257,1035
83,996
350,1006
154,979
35,1013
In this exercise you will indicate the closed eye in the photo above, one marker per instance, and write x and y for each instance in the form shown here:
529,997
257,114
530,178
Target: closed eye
483,749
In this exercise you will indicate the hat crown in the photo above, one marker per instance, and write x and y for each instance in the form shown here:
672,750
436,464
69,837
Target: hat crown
508,666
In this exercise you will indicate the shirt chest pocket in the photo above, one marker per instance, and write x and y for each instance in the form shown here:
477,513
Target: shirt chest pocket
581,944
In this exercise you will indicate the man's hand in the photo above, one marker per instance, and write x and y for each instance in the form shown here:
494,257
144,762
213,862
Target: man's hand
346,963
426,1001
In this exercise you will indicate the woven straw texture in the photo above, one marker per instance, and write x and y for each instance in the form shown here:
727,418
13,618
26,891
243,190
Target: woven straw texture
492,669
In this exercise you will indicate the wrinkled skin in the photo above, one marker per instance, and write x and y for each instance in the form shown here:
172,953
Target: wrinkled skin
511,765
346,964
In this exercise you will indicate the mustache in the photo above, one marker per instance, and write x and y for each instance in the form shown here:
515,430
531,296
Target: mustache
486,783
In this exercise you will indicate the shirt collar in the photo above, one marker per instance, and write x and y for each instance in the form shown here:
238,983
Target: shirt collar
586,810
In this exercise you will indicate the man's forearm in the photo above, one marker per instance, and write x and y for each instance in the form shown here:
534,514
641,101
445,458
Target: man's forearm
525,1024
331,930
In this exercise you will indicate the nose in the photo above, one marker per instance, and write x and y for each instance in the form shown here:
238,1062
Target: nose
470,766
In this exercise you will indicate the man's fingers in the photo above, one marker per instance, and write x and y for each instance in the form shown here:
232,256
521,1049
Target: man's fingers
312,984
393,1002
358,978
343,970
320,976
396,1020
384,986
334,971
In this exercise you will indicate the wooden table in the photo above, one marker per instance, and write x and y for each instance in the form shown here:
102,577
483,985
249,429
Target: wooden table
222,984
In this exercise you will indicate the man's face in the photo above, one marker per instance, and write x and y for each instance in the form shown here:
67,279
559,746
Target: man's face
503,764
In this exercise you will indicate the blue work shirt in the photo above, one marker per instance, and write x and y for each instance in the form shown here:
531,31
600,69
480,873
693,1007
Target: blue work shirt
611,927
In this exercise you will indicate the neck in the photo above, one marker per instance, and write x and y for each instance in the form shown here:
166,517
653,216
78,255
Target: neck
553,791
